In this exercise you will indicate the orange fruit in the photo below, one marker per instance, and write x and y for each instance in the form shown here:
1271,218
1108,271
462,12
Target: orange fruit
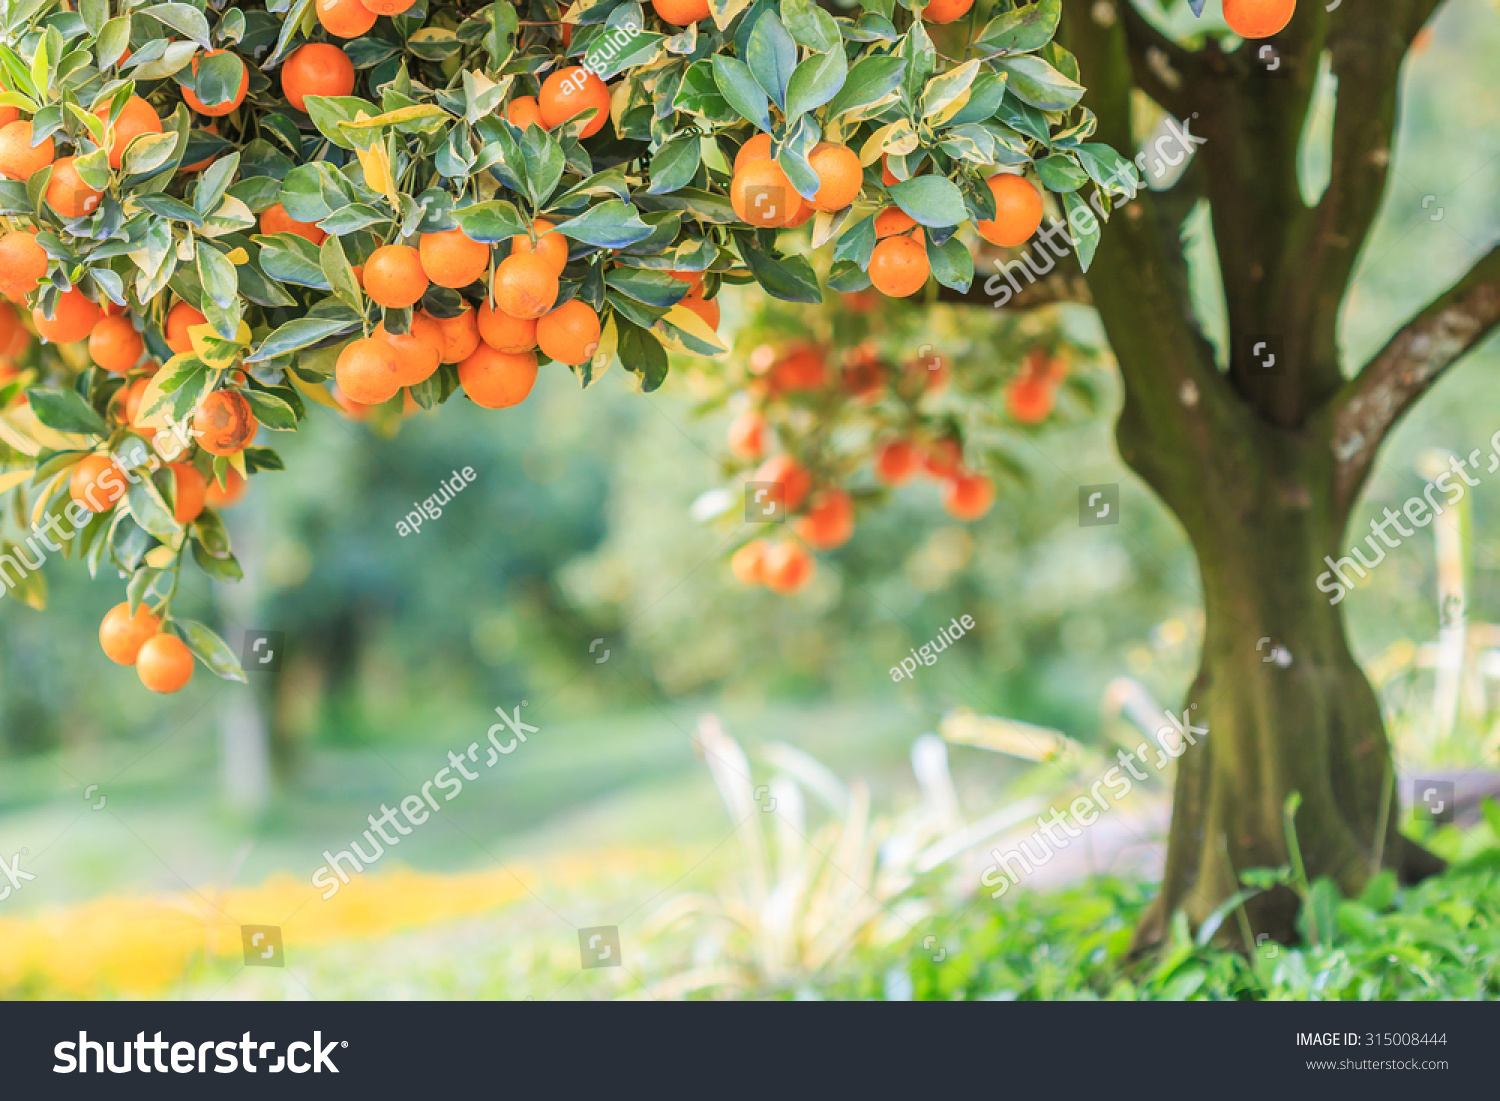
570,333
762,195
839,176
943,458
136,117
758,148
452,258
8,115
864,377
388,7
19,159
694,279
214,110
946,11
368,371
132,407
706,308
67,194
568,93
891,221
1030,400
1258,18
1018,211
180,318
224,423
899,267
681,12
394,276
550,245
460,335
417,350
318,69
525,285
829,522
230,493
747,435
275,219
896,462
189,492
14,339
887,177
344,18
497,380
115,345
165,664
505,333
73,319
787,472
523,111
968,496
803,368
23,263
787,567
121,635
97,483
748,562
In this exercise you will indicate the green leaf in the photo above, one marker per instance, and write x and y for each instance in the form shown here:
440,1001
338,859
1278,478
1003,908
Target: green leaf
739,87
675,164
789,278
304,332
931,200
288,258
65,411
811,26
816,81
1020,31
210,649
220,567
1061,173
217,80
217,274
1038,84
641,353
771,55
611,224
952,263
1083,227
271,411
654,288
340,272
491,222
150,509
871,80
330,112
183,18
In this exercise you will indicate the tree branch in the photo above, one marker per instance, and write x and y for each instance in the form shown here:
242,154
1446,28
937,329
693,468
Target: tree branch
1009,280
1372,402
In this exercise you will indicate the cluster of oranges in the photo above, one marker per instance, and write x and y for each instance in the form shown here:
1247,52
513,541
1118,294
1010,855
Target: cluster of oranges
161,659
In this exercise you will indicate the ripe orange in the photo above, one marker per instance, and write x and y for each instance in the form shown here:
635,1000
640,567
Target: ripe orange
180,318
452,258
8,115
762,195
19,159
189,492
1258,18
864,377
569,92
497,380
946,11
891,221
115,345
681,12
899,267
747,435
67,194
318,69
943,458
757,148
97,483
165,664
523,111
839,176
706,308
829,522
887,177
23,263
694,279
896,462
14,339
132,407
550,245
136,117
73,319
748,561
344,18
460,335
368,371
787,567
1030,400
214,110
122,635
417,350
1018,211
394,276
231,493
968,496
275,219
570,333
787,472
388,7
525,285
505,333
224,423
803,368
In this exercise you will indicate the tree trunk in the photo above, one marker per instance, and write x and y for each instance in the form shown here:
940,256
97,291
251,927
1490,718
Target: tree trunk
1287,707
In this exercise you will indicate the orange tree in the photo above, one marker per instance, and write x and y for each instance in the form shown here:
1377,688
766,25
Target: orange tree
216,214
